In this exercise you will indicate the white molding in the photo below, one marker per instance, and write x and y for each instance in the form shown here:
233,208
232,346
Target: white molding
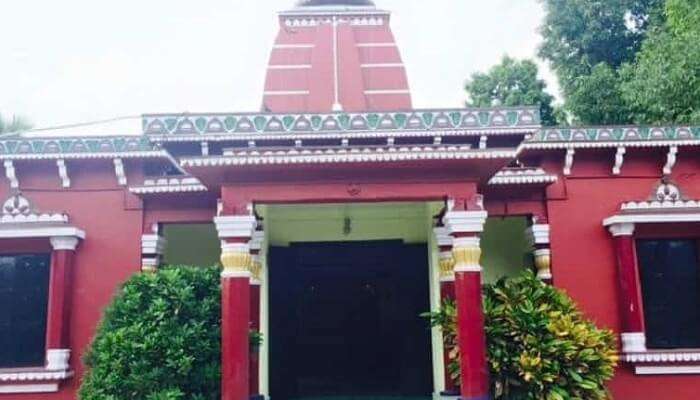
57,359
569,161
619,160
671,160
346,155
663,206
442,236
655,218
120,172
538,234
86,156
609,144
236,274
35,388
621,229
33,218
153,244
235,226
655,357
64,242
41,232
11,174
667,370
235,247
522,176
465,222
63,173
40,375
633,342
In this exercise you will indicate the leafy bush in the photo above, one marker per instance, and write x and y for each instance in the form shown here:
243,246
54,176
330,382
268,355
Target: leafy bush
539,345
159,339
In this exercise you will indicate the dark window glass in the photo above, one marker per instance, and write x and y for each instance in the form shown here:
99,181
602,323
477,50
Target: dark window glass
24,286
670,284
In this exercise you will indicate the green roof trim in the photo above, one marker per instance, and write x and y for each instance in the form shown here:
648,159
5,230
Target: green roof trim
416,120
18,147
614,134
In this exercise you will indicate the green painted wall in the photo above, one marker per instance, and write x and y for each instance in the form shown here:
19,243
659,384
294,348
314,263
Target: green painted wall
192,244
505,248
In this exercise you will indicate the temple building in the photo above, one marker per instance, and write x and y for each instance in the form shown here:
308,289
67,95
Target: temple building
339,213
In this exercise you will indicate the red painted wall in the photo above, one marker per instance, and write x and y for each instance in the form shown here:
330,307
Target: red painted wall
583,258
108,256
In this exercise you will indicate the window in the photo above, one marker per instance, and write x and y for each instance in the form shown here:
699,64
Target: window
670,282
24,285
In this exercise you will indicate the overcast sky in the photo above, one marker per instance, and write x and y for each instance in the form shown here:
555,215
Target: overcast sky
73,61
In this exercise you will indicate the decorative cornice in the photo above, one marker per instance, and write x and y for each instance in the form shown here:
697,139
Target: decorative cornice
522,176
19,219
63,148
662,357
345,155
592,137
665,205
32,376
434,120
173,184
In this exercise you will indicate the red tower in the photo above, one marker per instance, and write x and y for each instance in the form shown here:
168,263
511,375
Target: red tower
335,55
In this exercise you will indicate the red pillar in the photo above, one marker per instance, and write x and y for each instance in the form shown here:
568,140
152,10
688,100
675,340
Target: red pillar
235,232
465,227
59,305
235,317
630,294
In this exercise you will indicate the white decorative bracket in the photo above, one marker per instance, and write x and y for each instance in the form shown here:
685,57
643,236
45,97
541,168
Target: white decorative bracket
671,159
63,173
11,174
483,142
119,171
619,160
569,161
538,234
205,149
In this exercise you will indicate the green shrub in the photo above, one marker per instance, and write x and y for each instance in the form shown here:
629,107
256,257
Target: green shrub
539,345
159,339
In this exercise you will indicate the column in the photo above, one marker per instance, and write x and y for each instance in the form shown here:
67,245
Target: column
59,307
465,227
235,233
630,295
538,235
256,244
447,292
152,250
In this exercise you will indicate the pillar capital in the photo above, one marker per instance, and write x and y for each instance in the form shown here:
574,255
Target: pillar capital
152,250
621,229
465,222
538,234
235,226
442,236
64,242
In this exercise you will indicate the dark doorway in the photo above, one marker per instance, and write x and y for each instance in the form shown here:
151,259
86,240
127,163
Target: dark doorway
344,320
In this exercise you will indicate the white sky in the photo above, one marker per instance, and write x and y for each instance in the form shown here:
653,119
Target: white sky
73,61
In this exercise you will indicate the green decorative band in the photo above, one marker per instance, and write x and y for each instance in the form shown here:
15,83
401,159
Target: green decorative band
614,134
76,146
449,119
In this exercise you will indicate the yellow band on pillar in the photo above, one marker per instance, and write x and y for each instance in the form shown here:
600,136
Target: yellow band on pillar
236,259
447,264
256,269
467,254
543,263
